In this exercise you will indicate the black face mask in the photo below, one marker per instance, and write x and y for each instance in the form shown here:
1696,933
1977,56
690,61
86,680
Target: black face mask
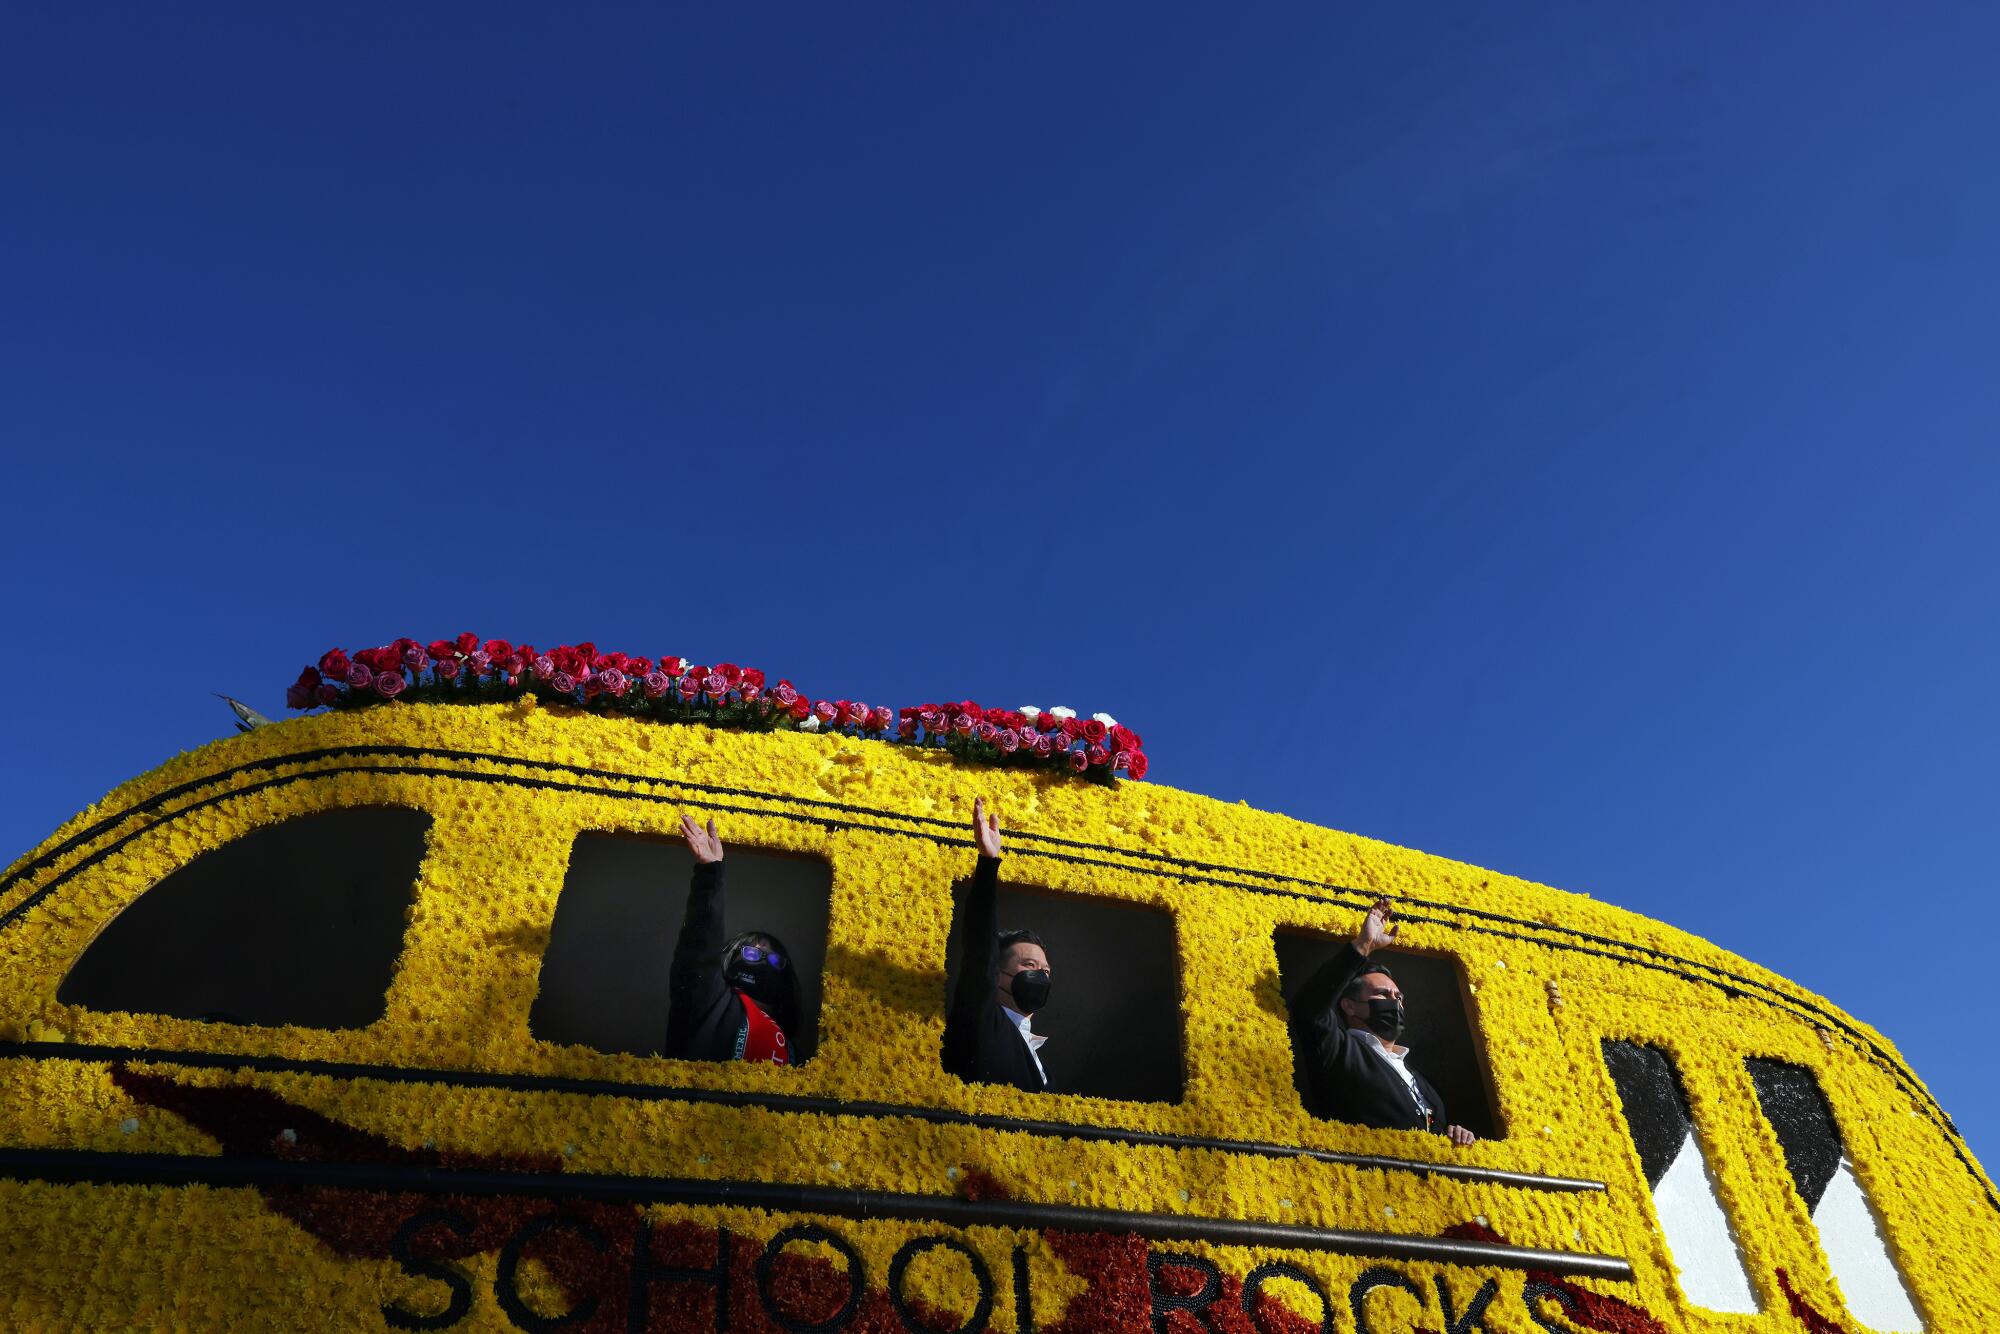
1385,1018
1030,990
757,981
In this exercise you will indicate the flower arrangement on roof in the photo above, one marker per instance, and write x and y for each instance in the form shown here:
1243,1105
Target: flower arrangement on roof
472,670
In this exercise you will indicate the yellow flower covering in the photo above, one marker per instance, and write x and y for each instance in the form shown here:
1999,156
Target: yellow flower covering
145,1191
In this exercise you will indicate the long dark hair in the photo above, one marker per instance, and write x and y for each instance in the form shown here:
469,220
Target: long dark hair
784,1004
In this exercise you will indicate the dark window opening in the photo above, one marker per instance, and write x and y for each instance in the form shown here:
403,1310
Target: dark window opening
1438,1031
297,923
604,975
1113,1016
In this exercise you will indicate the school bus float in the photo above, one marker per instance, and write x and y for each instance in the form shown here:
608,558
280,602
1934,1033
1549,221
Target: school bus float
352,1022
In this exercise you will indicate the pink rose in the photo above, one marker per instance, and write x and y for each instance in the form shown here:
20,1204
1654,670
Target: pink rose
389,684
984,730
784,693
482,662
881,718
545,667
415,659
1044,746
961,723
907,729
298,696
612,681
749,689
1079,761
656,684
358,676
447,669
689,687
1008,740
564,683
1121,760
1099,756
825,709
716,684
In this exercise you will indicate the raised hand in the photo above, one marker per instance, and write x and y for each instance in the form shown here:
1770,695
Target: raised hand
1378,928
705,844
985,829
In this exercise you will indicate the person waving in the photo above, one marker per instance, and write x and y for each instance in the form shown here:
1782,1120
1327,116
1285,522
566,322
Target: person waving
727,1002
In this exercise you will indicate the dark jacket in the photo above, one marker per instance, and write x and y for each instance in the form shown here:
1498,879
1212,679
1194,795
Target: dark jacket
981,1044
705,1016
1345,1081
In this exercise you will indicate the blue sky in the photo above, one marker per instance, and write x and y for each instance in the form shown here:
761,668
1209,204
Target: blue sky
1558,440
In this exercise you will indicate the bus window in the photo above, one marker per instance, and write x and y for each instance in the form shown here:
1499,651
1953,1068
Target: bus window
1698,1234
1849,1231
295,923
1439,1032
1113,1016
604,974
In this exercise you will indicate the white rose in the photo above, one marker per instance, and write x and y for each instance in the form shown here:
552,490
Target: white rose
1060,712
1105,718
1030,710
811,723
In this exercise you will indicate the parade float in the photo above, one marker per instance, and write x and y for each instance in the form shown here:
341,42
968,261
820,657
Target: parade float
352,1021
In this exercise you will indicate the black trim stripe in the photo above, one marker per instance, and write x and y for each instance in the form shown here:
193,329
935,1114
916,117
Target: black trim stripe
778,1102
1734,985
98,1168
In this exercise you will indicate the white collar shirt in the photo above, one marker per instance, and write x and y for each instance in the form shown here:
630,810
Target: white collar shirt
1396,1059
1028,1035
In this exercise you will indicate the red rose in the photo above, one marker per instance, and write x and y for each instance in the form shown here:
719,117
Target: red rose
638,666
998,717
729,672
800,709
497,649
442,648
1099,756
673,666
1138,764
1124,738
1072,728
907,729
1093,731
329,693
468,642
333,663
299,696
753,677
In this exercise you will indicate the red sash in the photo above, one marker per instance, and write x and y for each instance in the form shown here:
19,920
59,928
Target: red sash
760,1038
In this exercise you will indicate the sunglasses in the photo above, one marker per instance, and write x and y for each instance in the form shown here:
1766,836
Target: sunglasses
758,954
